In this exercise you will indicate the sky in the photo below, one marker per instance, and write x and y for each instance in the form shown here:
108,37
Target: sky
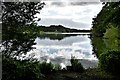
71,14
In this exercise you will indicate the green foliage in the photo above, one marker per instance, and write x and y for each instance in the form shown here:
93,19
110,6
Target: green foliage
76,65
111,38
52,29
108,15
98,45
18,14
13,69
17,44
46,68
15,16
57,67
110,61
18,34
15,13
106,26
111,32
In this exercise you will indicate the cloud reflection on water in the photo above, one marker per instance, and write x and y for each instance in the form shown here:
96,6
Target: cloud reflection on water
60,51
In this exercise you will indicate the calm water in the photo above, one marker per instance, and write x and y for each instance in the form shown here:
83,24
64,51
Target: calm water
59,51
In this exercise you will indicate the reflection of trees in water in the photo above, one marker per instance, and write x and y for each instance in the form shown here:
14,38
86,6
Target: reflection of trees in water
56,36
16,44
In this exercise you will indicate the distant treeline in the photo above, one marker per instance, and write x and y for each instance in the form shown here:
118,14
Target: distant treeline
59,28
51,28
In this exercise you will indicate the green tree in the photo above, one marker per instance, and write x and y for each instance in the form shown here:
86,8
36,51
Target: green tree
19,13
106,26
14,16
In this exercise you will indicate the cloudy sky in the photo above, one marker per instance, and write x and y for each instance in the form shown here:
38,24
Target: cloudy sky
70,14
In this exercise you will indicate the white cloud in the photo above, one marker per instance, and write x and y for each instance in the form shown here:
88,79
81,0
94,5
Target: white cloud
68,14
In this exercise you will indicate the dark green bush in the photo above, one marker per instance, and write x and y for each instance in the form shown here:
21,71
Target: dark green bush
76,65
110,61
46,68
13,69
57,67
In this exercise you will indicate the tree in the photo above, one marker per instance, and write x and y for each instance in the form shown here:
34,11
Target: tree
106,26
19,13
107,16
15,15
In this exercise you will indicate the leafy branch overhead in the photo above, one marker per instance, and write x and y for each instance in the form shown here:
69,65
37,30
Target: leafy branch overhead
20,12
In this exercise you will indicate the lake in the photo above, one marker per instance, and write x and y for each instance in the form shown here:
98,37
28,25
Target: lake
58,49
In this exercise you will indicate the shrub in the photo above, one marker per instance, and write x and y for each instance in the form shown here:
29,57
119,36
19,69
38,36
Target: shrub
110,61
46,68
76,65
57,67
20,70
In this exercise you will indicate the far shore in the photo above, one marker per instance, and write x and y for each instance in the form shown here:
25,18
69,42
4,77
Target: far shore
65,33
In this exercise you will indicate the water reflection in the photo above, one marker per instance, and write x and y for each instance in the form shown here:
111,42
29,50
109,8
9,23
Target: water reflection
60,51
